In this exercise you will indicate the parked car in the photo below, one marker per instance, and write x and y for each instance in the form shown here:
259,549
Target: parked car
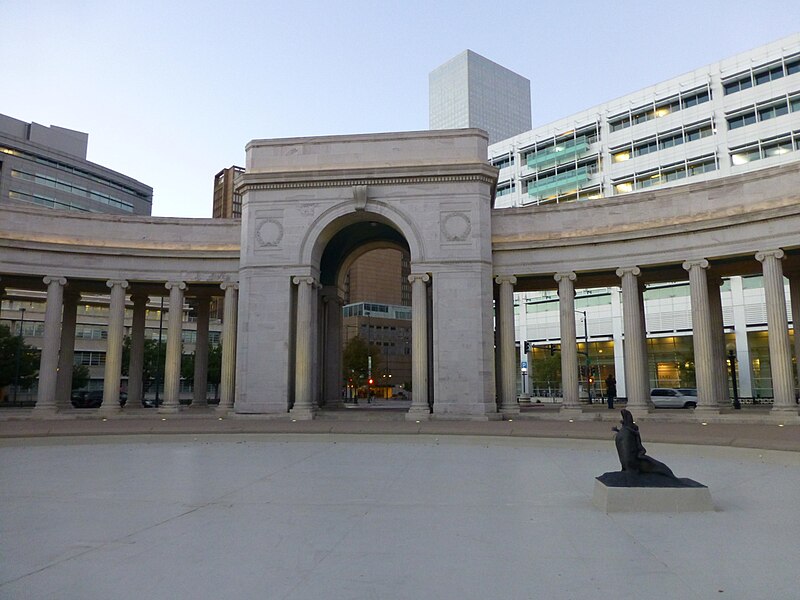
94,399
673,397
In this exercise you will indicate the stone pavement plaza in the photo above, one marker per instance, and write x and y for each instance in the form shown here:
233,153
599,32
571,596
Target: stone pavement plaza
400,510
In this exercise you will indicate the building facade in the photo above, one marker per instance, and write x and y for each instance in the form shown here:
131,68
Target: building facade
727,118
227,201
47,167
472,91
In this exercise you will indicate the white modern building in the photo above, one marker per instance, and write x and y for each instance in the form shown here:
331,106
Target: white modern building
472,91
735,116
727,118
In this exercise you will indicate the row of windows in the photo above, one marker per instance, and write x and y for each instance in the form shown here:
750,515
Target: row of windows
765,148
505,188
46,201
665,174
662,141
72,188
764,111
91,332
501,162
659,108
589,165
89,359
73,170
565,141
590,193
762,74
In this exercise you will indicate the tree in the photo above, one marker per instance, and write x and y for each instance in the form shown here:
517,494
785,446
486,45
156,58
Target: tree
153,364
13,351
546,371
355,362
214,369
80,376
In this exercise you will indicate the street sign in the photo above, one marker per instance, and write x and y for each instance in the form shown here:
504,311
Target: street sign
524,364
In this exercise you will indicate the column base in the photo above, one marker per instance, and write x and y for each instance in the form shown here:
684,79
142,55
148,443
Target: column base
510,410
43,412
787,410
199,405
418,413
169,409
302,413
110,411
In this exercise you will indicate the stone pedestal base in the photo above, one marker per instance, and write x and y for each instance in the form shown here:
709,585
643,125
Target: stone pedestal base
415,414
651,499
302,414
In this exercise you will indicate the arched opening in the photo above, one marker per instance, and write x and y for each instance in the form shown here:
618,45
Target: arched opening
366,338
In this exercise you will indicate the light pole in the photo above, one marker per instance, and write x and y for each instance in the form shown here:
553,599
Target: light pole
588,361
20,343
737,405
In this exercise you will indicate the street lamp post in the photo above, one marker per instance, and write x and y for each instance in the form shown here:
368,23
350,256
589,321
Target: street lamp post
20,343
737,405
588,360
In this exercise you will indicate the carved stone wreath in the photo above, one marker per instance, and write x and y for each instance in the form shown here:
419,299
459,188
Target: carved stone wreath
456,226
269,233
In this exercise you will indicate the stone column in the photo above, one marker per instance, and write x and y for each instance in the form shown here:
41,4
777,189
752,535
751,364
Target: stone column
719,364
637,386
569,347
136,365
419,410
116,332
508,379
172,361
48,365
332,363
304,363
780,356
199,397
702,336
67,355
228,375
794,296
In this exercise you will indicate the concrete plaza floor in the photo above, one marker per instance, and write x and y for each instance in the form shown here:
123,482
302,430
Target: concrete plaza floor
122,509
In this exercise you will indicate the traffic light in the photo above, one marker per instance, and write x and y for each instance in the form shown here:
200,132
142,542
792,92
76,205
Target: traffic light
370,381
527,347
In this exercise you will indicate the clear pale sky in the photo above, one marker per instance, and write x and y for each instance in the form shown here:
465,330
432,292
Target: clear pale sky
170,92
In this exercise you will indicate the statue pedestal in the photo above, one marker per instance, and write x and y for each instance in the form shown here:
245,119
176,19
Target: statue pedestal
610,498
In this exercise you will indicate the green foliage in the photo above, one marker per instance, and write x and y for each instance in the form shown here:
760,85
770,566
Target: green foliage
80,377
12,348
355,363
547,370
153,360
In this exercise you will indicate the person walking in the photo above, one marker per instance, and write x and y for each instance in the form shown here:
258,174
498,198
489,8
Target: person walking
611,389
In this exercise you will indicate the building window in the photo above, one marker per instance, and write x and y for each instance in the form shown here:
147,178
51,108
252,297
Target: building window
765,149
762,74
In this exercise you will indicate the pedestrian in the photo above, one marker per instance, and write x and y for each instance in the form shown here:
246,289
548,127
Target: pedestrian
611,389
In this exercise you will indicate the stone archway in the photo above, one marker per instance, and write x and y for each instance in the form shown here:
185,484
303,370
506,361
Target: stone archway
429,190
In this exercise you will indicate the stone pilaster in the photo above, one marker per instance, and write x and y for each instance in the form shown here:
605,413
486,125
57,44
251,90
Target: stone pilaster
780,356
508,379
304,363
66,357
569,347
637,386
702,336
228,372
332,342
48,365
136,364
172,361
199,397
419,409
116,331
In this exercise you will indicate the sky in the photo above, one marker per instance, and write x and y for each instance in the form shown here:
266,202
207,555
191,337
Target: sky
170,92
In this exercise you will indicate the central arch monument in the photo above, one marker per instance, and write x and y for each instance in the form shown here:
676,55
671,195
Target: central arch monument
309,206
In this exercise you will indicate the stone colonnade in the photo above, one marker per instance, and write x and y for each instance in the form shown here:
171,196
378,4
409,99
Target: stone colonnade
708,336
57,353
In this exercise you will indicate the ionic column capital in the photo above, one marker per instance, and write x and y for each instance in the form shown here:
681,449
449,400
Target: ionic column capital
139,298
229,284
501,279
690,264
118,282
54,279
181,285
568,275
763,255
423,277
308,280
635,271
